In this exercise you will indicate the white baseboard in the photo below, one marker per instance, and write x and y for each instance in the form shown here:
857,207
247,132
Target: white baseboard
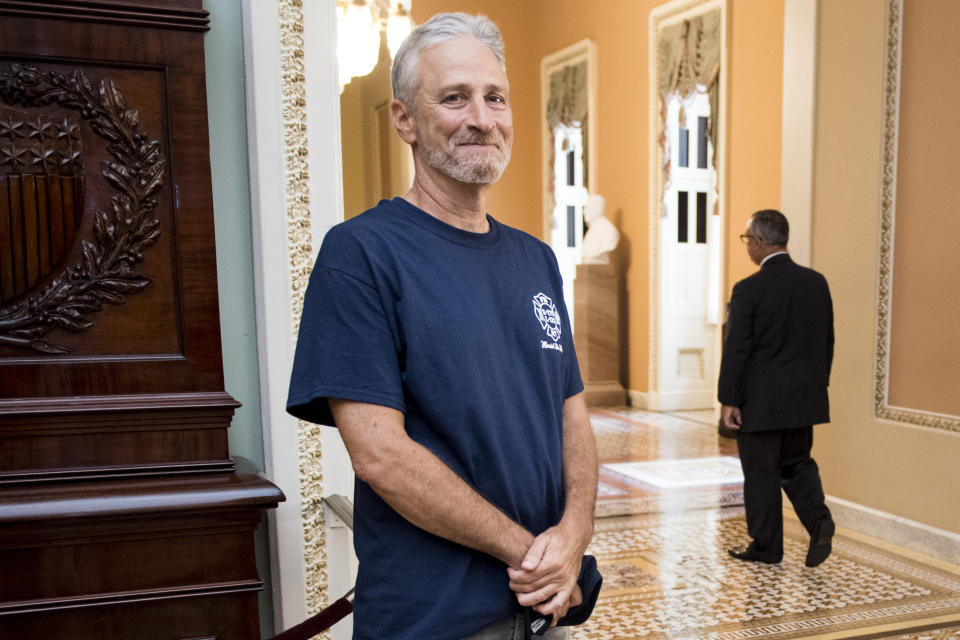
637,399
679,400
902,532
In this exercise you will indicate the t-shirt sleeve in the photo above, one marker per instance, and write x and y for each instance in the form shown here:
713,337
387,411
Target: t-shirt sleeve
345,348
574,382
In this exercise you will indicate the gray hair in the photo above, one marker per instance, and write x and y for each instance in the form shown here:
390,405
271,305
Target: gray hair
771,227
440,28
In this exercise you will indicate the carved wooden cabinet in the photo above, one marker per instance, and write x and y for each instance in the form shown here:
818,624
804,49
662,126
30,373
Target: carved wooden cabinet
122,515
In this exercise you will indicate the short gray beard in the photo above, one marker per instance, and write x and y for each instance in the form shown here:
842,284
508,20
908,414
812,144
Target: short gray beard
474,170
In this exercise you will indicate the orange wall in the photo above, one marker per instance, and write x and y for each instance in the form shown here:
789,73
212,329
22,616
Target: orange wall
620,31
924,341
898,468
357,102
755,106
533,29
353,150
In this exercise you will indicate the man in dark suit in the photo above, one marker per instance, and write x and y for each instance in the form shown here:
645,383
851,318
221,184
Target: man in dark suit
773,388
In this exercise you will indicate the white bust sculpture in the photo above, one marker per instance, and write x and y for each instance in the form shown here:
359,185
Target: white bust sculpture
601,237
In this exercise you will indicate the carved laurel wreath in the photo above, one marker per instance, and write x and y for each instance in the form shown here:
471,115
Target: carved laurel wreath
107,272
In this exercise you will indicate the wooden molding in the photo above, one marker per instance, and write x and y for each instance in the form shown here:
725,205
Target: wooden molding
46,605
109,436
142,14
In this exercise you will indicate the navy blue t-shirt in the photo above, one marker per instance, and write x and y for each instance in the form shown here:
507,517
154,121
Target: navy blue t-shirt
467,335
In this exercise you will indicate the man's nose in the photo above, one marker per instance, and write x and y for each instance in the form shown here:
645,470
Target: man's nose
481,116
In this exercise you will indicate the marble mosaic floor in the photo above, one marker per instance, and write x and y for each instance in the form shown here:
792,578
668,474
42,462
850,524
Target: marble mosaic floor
668,509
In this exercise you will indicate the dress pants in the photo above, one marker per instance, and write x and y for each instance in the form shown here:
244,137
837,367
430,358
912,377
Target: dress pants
771,460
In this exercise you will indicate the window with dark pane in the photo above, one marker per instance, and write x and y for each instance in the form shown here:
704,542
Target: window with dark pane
570,170
684,144
682,216
701,142
571,226
701,217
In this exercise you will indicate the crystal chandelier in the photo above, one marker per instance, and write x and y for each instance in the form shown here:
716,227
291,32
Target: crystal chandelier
360,24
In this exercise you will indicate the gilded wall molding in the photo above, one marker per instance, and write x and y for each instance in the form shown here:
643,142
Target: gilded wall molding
656,197
888,204
299,246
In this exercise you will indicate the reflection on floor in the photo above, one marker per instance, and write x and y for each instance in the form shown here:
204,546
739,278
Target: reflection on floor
670,505
706,416
628,436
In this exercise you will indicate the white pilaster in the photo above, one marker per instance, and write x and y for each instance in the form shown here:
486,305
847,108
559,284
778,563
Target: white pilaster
799,98
272,271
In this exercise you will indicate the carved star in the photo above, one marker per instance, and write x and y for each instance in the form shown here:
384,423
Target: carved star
41,129
42,156
68,129
12,156
33,129
9,127
69,157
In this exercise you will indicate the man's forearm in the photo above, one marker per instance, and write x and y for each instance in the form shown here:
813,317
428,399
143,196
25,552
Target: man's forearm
579,469
550,570
420,487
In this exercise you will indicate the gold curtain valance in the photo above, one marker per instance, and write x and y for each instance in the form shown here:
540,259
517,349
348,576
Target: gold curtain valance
567,104
568,96
688,54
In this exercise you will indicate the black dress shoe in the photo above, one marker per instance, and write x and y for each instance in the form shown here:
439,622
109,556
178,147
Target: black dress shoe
821,542
751,554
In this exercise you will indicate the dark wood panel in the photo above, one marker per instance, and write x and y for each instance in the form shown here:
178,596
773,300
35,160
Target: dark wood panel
158,72
107,544
75,504
211,617
7,288
151,13
153,306
109,436
121,512
67,575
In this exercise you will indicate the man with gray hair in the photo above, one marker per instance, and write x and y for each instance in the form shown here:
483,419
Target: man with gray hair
773,387
436,340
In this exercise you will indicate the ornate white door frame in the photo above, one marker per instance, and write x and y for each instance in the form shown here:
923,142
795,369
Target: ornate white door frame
568,257
661,16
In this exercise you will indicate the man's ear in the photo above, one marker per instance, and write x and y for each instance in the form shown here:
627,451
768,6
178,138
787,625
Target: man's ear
403,121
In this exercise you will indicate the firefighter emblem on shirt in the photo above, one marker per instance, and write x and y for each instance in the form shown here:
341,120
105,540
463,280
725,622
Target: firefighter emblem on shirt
546,313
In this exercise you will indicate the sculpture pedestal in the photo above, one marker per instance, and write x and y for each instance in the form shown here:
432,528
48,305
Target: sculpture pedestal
596,319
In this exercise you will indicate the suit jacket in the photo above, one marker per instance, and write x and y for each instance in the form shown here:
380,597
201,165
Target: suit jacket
779,348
